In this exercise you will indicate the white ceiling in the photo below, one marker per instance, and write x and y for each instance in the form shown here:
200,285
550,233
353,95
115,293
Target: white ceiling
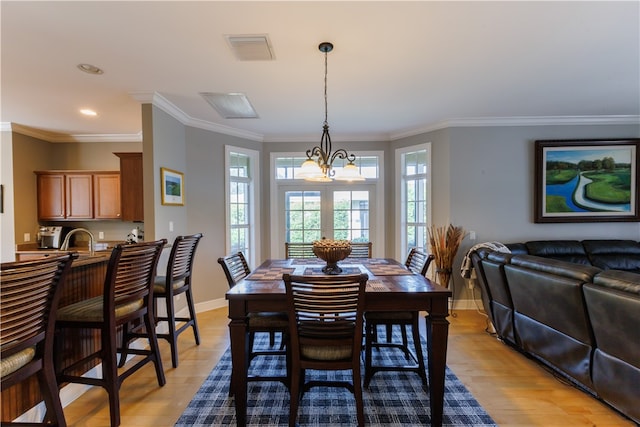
398,68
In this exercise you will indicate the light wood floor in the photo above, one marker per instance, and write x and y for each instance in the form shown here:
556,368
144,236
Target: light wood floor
515,391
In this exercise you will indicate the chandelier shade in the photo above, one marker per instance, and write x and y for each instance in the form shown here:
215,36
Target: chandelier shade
319,164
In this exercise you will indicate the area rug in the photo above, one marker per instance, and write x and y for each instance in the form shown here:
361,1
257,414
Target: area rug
392,399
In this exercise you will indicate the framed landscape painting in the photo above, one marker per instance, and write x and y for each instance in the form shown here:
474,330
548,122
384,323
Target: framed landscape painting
587,180
172,186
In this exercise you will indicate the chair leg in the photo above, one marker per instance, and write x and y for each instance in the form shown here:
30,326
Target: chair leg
294,396
110,375
51,396
369,339
171,334
389,330
357,392
192,312
419,353
154,348
405,342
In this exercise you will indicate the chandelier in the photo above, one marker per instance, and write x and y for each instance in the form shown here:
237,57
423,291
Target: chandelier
319,163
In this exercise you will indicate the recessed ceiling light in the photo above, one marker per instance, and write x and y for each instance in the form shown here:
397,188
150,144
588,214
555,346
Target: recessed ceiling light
88,112
91,69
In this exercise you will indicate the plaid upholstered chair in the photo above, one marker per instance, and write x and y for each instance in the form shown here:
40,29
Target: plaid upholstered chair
325,327
418,263
236,268
127,297
30,294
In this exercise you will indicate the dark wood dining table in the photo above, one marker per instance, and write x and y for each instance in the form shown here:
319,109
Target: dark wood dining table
391,287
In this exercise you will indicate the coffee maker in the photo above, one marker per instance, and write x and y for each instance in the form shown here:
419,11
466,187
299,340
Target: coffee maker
51,237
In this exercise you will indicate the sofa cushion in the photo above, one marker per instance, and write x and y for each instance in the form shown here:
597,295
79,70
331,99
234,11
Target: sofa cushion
614,254
563,250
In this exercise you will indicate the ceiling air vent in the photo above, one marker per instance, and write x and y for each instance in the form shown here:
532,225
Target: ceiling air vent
251,48
230,105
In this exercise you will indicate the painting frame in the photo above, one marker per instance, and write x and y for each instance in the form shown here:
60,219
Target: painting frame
556,158
172,187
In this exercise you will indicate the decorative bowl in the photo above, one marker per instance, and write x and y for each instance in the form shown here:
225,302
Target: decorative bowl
332,251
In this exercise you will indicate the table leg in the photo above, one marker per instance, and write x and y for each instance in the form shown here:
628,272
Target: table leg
239,354
437,334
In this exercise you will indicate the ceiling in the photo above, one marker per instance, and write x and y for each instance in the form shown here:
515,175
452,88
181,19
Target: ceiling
397,69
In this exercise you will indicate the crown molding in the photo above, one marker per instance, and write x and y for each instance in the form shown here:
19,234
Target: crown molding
521,121
168,107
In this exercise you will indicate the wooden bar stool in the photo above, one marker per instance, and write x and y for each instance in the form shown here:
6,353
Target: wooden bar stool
30,294
127,297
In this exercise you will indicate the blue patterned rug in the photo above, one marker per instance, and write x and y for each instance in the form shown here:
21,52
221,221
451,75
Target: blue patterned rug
392,399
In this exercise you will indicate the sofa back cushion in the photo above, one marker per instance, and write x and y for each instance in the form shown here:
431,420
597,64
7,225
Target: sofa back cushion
613,302
563,250
614,254
550,291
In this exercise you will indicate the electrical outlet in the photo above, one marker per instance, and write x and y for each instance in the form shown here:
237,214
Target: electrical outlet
472,235
101,235
170,225
27,237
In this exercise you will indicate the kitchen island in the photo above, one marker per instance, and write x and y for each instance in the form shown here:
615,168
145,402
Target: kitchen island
85,280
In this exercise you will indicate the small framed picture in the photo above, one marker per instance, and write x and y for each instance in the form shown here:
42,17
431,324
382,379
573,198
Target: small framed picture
172,187
587,180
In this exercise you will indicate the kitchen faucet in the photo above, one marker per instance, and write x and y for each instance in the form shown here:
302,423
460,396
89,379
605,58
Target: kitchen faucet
65,243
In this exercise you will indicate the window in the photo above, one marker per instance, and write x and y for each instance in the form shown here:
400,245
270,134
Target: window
306,211
414,165
242,227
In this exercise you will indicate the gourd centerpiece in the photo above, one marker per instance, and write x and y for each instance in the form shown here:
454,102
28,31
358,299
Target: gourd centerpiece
332,251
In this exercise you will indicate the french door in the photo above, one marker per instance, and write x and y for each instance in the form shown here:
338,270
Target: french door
311,212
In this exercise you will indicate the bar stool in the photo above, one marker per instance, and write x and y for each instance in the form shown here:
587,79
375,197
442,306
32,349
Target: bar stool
127,297
30,294
176,281
417,262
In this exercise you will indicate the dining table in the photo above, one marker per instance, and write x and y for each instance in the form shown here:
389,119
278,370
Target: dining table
391,287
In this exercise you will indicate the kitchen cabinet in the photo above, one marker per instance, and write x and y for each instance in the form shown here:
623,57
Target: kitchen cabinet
132,194
78,195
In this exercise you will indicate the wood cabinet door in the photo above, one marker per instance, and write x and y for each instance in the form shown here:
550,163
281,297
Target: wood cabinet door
51,201
79,196
131,186
106,196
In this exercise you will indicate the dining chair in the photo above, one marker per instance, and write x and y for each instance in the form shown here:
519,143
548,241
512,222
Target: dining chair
417,262
30,292
236,268
361,250
325,328
298,250
127,297
177,281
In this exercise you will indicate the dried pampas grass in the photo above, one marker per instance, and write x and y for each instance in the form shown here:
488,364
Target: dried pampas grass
444,242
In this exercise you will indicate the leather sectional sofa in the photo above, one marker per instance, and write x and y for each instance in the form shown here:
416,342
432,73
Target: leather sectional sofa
575,307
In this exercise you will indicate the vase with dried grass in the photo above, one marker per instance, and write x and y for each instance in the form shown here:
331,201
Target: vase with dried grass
444,242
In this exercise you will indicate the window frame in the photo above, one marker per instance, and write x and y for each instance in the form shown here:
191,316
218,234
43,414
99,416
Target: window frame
402,248
253,180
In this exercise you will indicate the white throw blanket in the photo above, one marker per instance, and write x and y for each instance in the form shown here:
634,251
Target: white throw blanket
466,269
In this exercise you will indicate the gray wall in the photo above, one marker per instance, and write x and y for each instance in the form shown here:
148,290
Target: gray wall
483,180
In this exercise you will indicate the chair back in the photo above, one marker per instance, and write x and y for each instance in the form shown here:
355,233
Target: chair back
360,250
298,250
130,275
235,268
180,264
30,294
325,311
418,261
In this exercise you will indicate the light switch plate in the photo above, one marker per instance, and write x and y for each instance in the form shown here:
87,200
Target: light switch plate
101,235
27,237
